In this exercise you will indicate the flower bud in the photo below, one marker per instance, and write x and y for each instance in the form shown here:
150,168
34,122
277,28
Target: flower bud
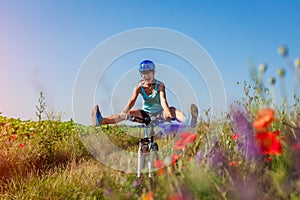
281,72
282,50
272,81
297,62
263,68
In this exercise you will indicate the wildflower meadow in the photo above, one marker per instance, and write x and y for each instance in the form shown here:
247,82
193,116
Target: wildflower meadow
254,153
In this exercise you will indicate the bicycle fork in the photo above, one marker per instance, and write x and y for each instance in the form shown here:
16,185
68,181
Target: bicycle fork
146,153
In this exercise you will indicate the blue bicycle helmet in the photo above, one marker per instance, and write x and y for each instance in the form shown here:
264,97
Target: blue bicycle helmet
146,65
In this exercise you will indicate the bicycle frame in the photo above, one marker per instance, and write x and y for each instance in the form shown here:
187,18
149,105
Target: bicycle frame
147,151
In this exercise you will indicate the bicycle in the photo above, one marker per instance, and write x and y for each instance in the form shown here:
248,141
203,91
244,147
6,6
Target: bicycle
148,149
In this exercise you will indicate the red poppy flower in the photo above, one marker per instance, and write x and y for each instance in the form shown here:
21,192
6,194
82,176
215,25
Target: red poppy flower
264,118
22,145
269,143
235,136
175,157
160,172
185,135
234,163
149,196
179,145
12,137
159,164
176,196
268,159
188,137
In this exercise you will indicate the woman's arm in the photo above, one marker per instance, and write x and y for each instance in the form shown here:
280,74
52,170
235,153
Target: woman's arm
132,100
163,100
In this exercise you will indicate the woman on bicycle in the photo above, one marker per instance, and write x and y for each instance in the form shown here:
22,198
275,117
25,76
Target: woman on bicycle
155,102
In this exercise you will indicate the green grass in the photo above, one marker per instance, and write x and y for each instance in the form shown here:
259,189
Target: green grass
54,164
51,159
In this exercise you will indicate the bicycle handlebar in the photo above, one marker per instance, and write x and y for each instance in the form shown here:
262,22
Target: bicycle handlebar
145,120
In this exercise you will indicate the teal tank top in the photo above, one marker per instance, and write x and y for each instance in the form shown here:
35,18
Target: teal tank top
151,102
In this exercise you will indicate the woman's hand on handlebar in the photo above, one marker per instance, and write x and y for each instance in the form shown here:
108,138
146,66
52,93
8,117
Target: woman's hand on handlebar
124,115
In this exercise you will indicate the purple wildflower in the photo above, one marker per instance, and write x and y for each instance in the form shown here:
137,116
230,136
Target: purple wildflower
107,191
199,155
296,155
135,183
216,158
242,126
170,127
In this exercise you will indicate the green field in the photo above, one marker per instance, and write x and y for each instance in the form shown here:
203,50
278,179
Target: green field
251,152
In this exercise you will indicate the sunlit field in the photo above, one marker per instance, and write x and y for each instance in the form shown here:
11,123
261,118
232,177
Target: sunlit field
255,154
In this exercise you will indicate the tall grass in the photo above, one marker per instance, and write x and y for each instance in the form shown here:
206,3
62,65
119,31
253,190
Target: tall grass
46,160
228,157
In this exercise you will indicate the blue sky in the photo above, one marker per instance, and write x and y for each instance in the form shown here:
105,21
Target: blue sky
44,43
